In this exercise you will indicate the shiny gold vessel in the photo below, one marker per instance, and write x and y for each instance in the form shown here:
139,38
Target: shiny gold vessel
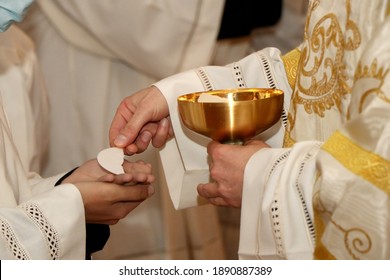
246,113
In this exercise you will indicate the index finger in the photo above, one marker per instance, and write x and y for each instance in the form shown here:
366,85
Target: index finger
122,132
134,112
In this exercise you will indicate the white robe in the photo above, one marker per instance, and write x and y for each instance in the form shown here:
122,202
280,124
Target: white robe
324,195
26,102
32,219
93,54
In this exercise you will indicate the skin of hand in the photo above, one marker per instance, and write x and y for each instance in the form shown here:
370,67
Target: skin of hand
141,118
107,203
227,166
135,172
106,199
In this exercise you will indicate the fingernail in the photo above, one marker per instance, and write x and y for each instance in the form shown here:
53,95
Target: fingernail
146,136
120,140
164,122
150,190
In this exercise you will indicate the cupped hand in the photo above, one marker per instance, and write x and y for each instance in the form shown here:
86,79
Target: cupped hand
227,166
141,118
108,197
107,203
135,173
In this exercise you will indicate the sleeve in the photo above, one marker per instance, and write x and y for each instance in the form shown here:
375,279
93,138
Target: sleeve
37,221
142,33
24,97
277,212
328,200
184,158
96,234
351,200
51,225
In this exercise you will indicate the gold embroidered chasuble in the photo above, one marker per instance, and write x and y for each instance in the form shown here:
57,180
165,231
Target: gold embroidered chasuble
341,94
337,92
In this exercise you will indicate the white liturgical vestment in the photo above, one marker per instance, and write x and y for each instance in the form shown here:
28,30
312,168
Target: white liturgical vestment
37,221
324,192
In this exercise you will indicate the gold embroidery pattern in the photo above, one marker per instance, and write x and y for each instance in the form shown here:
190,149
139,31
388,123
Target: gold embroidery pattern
329,82
373,72
321,252
321,81
356,241
290,61
359,161
320,214
288,141
365,164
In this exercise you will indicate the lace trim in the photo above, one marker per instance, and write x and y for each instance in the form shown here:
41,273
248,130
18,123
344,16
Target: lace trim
13,243
275,218
276,228
284,118
238,76
267,70
271,81
282,158
308,219
204,79
52,239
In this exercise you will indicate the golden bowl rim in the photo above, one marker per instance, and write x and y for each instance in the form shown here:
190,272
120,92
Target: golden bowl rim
181,98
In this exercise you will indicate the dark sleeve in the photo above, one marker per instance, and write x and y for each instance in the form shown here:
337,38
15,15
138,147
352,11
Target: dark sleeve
96,234
240,17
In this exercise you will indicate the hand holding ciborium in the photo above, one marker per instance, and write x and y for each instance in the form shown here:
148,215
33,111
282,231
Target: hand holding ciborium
231,116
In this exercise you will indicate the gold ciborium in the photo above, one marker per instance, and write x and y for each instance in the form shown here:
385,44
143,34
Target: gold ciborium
231,115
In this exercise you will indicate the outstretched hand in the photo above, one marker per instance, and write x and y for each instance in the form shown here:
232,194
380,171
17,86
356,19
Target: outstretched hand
141,118
135,172
108,197
107,203
227,166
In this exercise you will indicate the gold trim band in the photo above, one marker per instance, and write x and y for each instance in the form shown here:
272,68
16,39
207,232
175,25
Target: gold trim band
291,61
359,161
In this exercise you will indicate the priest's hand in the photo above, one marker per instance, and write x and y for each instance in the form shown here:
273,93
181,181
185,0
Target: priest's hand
227,166
107,203
141,118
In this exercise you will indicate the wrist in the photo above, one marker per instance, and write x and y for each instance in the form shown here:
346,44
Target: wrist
64,179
